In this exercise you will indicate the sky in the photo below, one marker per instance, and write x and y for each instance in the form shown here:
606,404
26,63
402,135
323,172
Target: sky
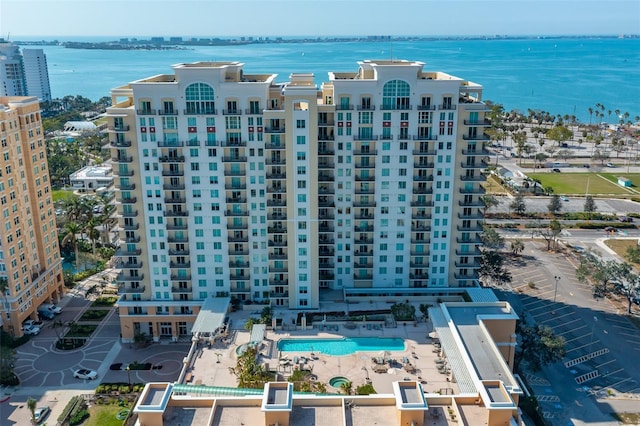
228,18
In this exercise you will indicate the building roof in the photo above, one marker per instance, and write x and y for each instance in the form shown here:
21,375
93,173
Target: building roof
211,315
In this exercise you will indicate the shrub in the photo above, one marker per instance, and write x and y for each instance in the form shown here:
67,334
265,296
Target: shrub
71,405
104,301
366,389
79,417
9,378
13,342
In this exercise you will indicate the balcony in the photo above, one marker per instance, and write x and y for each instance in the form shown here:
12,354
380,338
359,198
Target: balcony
276,189
361,276
242,225
475,240
365,152
277,243
474,178
421,215
370,165
124,173
482,152
322,137
326,265
277,216
326,164
344,107
170,144
363,253
133,213
471,203
361,228
326,241
122,159
236,200
172,227
365,191
238,251
176,239
325,275
146,111
475,264
176,213
167,112
238,239
233,144
173,173
425,137
273,268
176,277
365,137
278,256
362,203
184,252
132,290
280,145
239,277
421,252
278,294
127,265
423,165
326,190
425,107
129,278
187,289
472,253
362,216
170,187
274,129
131,240
468,276
423,178
326,228
275,161
477,190
419,276
175,200
234,213
277,202
326,215
424,152
234,159
274,281
361,240
479,165
326,151
360,178
236,111
276,175
363,265
127,200
192,143
396,107
179,264
238,264
253,111
322,177
422,203
171,159
482,137
277,230
325,123
420,190
469,228
324,251
420,240
447,107
324,202
126,187
420,228
131,227
232,185
123,252
120,144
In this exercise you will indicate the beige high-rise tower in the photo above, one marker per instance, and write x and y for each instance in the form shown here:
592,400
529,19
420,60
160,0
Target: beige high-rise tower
30,264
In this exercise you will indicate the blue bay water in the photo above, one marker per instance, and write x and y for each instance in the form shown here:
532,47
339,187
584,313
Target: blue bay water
561,76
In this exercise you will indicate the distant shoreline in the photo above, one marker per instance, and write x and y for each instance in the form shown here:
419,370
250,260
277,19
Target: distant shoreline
180,43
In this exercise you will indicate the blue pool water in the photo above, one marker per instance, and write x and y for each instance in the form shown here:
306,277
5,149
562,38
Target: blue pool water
343,346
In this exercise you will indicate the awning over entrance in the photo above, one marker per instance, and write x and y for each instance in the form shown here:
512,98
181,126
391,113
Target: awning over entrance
211,316
257,333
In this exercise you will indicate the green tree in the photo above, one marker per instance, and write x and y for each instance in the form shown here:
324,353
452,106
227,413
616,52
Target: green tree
31,405
554,205
491,239
537,346
517,247
633,254
601,273
347,387
518,204
492,270
559,134
551,233
589,205
73,229
520,139
489,201
8,357
626,283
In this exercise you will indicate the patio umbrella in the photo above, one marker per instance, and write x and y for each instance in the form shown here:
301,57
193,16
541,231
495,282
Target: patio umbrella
433,335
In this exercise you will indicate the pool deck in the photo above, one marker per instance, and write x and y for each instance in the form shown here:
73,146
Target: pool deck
419,349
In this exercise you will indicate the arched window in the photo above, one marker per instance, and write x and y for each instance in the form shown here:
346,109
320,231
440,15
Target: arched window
200,99
395,95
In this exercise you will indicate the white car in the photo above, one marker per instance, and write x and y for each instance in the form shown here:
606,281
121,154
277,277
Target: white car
53,308
85,374
31,330
40,413
564,198
30,323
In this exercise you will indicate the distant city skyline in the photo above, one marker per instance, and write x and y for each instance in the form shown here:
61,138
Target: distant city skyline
229,18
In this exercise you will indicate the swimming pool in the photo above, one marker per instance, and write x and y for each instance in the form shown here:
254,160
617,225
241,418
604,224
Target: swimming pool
343,346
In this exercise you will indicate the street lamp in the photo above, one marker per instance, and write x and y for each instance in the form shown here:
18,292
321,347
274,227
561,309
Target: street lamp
129,376
593,330
555,292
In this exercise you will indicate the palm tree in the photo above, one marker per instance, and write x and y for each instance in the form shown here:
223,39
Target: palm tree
72,230
31,405
590,114
92,232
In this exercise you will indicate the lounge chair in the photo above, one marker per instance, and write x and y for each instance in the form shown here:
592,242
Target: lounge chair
405,360
380,368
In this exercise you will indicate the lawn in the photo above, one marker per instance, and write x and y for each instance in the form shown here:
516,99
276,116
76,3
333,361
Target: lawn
104,415
621,246
576,183
94,314
61,194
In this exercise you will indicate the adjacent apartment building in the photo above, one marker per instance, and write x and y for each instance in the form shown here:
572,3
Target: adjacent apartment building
234,185
25,73
30,264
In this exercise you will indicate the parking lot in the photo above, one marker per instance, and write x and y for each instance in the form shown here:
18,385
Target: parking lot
598,339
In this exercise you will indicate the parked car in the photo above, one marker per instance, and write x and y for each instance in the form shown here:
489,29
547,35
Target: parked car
564,198
40,413
610,165
85,374
626,219
30,323
556,170
51,307
31,330
610,229
44,313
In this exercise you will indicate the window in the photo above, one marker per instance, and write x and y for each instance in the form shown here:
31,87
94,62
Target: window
200,99
300,124
395,95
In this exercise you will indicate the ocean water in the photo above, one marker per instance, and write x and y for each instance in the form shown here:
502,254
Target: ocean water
561,76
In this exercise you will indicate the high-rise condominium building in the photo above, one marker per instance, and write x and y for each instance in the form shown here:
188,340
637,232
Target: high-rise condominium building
233,185
30,264
23,74
37,74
